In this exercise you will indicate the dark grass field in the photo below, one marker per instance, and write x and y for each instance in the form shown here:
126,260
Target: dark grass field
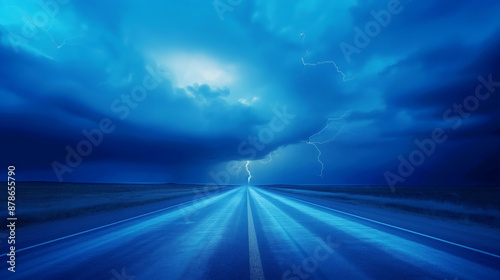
44,201
483,197
467,204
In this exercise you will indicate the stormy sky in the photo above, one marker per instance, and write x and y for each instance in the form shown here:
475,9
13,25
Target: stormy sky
309,92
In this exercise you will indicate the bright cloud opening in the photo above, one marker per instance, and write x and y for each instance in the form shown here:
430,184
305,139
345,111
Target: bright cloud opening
190,69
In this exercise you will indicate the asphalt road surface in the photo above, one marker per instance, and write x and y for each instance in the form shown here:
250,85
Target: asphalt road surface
254,233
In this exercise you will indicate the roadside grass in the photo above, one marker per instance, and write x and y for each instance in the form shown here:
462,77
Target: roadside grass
38,202
467,204
41,201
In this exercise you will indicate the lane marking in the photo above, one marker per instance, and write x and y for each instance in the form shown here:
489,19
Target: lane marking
400,228
256,271
105,226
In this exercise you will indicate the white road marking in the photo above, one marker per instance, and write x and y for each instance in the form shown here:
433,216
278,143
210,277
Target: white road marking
400,228
104,226
256,271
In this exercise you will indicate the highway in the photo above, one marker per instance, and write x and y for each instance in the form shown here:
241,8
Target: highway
253,233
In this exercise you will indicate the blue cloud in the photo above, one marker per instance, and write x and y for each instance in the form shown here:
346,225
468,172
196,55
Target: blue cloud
184,89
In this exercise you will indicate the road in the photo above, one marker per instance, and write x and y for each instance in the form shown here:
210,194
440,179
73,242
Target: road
252,233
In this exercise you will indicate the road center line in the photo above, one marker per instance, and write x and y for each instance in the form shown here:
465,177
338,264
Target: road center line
396,227
256,271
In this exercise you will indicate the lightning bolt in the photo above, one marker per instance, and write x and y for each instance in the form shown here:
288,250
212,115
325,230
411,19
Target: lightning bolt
247,163
344,77
316,143
319,157
303,36
239,170
248,171
58,46
268,160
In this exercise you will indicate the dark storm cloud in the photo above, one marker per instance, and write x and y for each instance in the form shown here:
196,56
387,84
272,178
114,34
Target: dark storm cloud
210,85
